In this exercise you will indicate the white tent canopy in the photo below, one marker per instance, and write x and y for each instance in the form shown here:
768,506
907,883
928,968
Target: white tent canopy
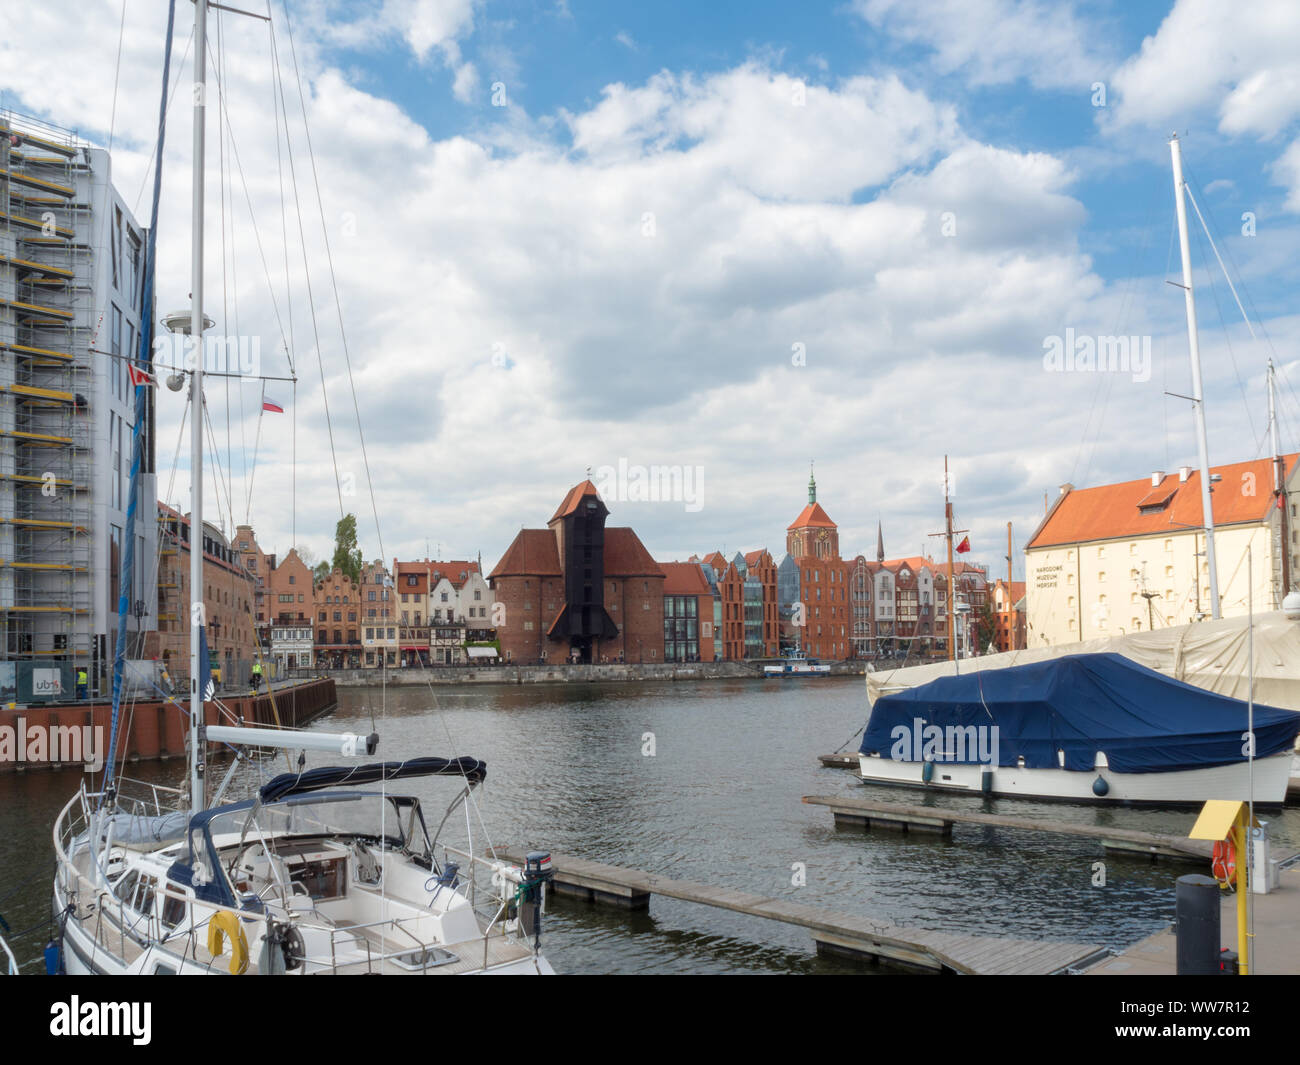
1209,654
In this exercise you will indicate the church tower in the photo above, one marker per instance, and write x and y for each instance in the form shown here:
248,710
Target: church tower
812,534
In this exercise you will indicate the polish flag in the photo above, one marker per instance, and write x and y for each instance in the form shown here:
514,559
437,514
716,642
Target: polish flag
139,377
274,408
964,546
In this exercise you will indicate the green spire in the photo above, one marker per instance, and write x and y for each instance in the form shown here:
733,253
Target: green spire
812,485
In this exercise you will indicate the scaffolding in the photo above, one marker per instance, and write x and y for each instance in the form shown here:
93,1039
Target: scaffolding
47,287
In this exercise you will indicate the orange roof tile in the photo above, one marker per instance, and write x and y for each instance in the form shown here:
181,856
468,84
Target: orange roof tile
1111,511
684,578
571,500
812,516
626,556
532,553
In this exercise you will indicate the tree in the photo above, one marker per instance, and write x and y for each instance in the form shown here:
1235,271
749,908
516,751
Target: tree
320,571
347,555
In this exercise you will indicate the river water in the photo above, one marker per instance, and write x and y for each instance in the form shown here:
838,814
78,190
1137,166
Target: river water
702,781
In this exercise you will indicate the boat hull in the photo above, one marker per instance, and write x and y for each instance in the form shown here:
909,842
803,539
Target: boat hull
1181,788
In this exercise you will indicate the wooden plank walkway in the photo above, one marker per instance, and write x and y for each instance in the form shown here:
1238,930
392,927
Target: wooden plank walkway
834,933
868,813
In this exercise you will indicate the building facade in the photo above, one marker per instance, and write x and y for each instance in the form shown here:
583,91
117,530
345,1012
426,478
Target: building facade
71,287
337,609
1130,557
688,613
813,542
578,591
228,591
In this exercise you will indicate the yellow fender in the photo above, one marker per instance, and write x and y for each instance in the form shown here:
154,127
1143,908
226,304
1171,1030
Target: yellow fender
225,926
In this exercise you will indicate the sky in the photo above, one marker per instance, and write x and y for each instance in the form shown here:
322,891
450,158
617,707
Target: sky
532,240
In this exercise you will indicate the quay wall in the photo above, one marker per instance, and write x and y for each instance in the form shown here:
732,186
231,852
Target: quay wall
566,673
153,729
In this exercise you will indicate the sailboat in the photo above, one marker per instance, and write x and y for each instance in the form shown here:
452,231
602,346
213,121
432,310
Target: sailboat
1220,656
319,871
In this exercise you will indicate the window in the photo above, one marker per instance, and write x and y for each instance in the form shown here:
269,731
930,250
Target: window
410,581
293,579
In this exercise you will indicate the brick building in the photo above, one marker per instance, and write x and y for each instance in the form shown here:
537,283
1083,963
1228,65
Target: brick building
1009,615
577,590
812,541
688,613
337,609
228,595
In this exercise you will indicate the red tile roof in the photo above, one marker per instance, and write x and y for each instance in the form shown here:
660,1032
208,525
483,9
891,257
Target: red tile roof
716,560
532,553
626,556
575,496
684,578
812,516
452,571
752,558
1111,511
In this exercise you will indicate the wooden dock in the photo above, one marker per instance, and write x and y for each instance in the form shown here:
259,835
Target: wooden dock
868,813
1276,943
833,933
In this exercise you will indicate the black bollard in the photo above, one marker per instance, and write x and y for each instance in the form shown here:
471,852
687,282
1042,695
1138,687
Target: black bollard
1198,925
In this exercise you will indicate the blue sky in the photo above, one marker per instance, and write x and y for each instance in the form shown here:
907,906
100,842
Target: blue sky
618,264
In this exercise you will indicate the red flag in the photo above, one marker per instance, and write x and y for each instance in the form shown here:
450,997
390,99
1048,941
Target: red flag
274,408
139,377
964,546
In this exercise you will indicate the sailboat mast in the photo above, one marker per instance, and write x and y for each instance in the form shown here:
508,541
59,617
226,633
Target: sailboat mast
1279,489
1175,148
952,587
197,617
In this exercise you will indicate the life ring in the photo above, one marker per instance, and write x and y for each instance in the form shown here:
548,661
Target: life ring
225,926
1223,861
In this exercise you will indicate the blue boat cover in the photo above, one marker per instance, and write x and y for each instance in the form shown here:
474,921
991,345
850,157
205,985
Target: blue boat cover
1143,721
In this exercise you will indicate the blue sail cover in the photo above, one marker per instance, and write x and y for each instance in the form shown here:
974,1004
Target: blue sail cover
1143,721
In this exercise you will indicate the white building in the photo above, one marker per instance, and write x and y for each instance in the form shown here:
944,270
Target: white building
1130,557
291,646
71,285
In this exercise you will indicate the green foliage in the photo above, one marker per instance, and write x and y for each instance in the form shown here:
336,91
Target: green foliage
347,555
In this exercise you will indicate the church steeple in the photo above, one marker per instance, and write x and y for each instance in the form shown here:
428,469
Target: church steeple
812,485
880,542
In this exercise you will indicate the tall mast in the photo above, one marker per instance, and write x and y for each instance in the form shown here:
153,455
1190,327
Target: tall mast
1279,489
197,618
1010,604
952,585
1175,148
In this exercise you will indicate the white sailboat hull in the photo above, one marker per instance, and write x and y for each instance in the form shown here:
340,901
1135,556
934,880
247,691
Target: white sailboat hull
1184,787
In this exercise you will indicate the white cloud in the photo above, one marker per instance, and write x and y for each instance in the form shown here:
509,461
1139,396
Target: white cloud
995,42
667,344
1234,65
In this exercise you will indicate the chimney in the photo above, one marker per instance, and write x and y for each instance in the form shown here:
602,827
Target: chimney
1156,478
1184,472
